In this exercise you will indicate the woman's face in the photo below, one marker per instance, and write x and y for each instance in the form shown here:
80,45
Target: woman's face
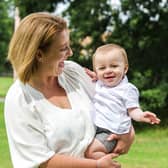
53,60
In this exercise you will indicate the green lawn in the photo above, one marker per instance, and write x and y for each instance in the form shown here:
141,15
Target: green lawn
150,149
5,82
4,150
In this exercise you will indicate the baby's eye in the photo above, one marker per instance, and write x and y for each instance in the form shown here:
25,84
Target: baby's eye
101,68
113,66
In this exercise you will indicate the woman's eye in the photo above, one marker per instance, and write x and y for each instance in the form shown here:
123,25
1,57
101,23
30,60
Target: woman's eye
65,48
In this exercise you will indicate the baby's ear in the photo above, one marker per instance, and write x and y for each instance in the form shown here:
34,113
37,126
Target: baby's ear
126,68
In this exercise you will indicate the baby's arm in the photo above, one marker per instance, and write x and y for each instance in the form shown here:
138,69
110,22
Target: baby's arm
138,115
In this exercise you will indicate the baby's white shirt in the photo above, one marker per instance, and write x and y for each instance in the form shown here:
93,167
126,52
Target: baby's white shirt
111,104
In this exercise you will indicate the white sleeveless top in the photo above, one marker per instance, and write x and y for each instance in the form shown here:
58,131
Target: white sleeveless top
37,129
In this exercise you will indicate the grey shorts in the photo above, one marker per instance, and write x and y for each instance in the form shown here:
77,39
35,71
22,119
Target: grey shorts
102,135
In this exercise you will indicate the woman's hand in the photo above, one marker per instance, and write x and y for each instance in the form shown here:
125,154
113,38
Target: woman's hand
124,141
108,162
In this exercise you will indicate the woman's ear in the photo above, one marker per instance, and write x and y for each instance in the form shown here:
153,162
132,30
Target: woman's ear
39,55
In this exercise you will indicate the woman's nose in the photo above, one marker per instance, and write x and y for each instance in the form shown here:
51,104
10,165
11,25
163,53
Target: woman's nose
70,52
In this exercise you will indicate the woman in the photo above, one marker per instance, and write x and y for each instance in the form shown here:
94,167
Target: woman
47,108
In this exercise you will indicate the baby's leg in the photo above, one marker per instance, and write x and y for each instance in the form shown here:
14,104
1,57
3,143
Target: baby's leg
96,150
102,138
100,145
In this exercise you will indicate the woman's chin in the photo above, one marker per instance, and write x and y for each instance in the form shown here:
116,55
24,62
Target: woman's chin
61,65
60,70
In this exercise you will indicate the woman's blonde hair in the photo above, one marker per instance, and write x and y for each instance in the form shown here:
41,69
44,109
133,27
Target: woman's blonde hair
110,47
36,31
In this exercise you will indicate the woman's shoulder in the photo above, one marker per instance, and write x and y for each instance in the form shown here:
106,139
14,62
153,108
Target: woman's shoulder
75,75
14,91
16,94
18,102
73,70
71,65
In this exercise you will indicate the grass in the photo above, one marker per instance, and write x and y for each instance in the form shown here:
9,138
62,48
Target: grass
5,161
148,151
5,83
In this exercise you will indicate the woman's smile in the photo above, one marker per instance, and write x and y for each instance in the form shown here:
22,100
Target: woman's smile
61,64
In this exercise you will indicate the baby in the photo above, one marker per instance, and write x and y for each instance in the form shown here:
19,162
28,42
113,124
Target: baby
116,100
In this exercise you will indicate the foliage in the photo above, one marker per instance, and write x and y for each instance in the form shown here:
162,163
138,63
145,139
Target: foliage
143,32
7,22
88,22
5,84
5,32
29,6
140,27
149,92
152,97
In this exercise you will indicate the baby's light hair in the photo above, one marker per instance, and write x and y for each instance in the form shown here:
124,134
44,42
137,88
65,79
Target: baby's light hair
108,48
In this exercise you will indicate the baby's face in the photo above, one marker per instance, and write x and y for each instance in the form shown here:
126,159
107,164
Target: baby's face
110,67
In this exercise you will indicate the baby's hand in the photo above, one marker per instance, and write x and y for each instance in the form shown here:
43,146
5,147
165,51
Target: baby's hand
92,74
150,117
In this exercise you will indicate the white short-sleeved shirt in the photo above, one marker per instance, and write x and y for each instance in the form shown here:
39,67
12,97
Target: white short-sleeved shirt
37,129
111,104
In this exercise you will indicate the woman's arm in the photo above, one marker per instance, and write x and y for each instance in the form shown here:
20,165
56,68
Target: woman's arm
62,161
124,141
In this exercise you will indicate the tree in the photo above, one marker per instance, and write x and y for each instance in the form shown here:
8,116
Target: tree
88,22
140,27
98,12
5,33
29,6
143,32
